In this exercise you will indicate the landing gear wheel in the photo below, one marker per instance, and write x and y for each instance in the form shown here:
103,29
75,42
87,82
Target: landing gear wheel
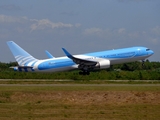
80,73
87,73
143,63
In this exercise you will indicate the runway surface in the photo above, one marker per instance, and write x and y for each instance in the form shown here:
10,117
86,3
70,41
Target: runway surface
85,85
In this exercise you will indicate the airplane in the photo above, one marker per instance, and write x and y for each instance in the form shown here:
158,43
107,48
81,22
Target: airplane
49,55
85,62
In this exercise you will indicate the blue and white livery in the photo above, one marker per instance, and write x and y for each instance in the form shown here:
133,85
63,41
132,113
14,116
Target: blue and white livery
84,62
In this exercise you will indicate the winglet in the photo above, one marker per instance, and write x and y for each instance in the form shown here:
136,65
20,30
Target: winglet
67,53
49,54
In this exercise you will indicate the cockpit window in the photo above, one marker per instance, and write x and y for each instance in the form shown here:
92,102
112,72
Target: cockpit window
147,49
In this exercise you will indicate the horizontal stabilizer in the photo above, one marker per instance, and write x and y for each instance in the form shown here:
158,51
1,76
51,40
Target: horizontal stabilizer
22,68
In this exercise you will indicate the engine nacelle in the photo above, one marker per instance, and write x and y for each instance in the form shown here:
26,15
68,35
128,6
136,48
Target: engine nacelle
103,64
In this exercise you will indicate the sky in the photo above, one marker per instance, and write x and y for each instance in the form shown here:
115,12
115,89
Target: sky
80,26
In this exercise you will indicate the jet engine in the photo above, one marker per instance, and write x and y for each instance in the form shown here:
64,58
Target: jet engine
103,64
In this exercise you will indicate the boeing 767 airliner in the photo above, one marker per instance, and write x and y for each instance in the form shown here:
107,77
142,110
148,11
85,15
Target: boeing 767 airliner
84,62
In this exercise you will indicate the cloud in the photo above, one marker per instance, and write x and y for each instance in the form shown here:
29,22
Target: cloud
134,34
77,24
44,23
93,31
154,41
124,35
71,13
35,24
10,7
8,19
132,0
122,31
156,30
105,32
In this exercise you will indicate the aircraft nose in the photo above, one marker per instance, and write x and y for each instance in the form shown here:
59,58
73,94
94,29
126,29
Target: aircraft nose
150,52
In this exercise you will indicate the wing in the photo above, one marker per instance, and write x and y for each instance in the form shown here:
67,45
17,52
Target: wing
80,61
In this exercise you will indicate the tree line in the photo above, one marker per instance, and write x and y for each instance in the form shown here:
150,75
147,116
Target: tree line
126,71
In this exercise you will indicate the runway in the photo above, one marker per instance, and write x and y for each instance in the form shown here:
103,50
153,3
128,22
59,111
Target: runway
81,85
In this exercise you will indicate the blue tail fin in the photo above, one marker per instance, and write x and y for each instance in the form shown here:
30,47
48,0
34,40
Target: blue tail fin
21,56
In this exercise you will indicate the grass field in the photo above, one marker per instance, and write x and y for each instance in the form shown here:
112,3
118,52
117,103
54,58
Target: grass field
79,102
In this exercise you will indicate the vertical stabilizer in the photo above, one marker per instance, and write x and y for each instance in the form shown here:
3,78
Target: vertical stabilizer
21,56
49,55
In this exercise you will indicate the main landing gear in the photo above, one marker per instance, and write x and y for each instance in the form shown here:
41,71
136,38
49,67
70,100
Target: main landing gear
143,63
84,73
